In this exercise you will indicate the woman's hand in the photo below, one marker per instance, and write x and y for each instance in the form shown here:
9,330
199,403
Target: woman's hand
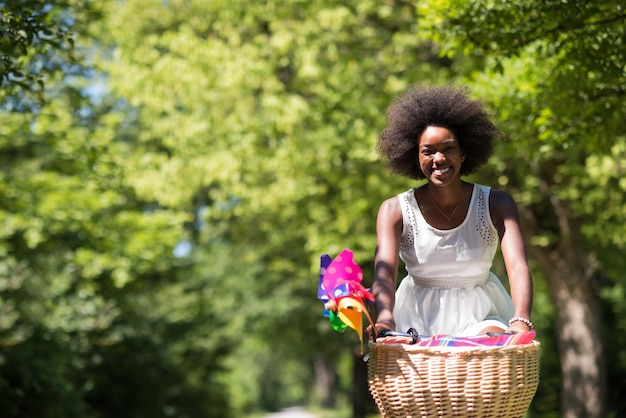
379,326
518,326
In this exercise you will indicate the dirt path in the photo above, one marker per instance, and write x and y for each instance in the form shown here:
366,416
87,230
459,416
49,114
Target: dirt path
294,412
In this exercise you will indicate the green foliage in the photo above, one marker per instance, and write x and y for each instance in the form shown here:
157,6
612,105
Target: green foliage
99,317
554,76
37,42
265,117
246,130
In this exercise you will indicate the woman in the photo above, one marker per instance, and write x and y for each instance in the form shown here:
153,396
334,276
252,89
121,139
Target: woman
447,230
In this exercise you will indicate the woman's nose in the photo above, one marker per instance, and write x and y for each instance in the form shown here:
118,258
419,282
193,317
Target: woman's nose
439,156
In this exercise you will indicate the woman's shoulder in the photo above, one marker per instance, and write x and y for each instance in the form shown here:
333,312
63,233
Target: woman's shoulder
495,195
390,215
392,207
391,204
501,205
394,202
499,198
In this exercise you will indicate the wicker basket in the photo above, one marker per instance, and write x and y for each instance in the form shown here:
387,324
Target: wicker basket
411,381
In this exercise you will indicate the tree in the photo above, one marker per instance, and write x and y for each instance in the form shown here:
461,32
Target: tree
37,41
267,114
99,316
163,236
554,73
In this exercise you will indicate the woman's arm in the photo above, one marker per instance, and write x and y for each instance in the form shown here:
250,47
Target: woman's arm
505,217
388,231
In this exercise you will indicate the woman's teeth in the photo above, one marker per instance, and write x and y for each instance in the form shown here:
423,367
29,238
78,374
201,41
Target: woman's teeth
441,171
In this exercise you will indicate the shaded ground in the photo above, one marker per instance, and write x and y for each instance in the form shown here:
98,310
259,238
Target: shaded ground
294,412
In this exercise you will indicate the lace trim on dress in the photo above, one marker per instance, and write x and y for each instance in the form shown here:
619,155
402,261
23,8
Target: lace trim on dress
483,223
408,240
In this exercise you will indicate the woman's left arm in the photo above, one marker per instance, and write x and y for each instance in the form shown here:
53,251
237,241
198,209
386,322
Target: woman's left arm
505,217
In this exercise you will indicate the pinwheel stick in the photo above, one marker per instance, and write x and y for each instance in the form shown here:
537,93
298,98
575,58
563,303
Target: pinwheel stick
369,318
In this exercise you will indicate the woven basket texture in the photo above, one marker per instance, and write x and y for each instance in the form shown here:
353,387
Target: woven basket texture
409,381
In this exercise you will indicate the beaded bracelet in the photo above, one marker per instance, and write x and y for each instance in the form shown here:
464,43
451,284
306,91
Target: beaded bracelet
521,319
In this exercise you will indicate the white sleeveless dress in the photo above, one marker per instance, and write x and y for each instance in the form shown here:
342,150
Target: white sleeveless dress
450,288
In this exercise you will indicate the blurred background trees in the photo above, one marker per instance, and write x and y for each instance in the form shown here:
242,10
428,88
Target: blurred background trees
168,187
555,75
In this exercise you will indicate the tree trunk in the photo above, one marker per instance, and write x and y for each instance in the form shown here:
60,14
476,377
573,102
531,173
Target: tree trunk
578,317
362,402
325,382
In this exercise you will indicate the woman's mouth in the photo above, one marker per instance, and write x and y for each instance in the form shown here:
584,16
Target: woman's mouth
440,171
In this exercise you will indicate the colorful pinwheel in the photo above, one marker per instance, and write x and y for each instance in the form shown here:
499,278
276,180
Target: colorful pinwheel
343,294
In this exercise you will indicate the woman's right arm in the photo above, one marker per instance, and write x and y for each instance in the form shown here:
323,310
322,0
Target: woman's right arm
388,231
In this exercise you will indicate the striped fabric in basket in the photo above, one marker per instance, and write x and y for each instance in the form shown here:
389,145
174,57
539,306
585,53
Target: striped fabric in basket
498,340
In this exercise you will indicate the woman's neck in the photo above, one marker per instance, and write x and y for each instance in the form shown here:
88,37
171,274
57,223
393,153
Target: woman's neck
446,196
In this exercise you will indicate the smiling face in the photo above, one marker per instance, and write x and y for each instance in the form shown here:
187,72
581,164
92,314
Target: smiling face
440,156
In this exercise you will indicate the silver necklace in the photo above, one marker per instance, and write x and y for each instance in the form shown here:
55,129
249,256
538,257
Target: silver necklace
442,212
